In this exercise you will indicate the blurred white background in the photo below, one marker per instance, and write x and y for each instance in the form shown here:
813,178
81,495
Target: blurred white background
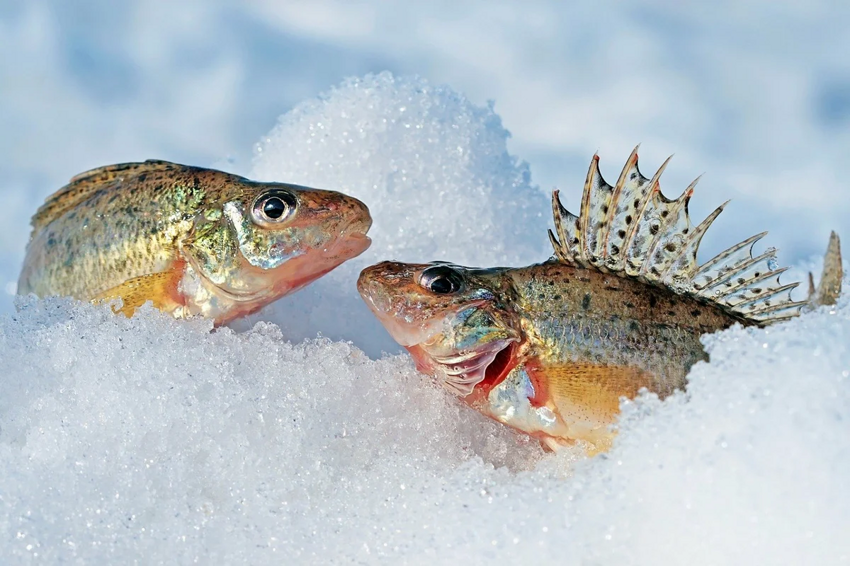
755,95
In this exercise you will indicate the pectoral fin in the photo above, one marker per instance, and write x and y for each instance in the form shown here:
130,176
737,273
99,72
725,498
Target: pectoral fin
158,288
587,398
588,391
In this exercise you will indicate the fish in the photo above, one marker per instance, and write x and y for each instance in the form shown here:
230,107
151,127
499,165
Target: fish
550,349
190,240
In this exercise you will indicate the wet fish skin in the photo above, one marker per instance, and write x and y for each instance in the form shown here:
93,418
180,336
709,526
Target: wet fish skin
194,241
550,349
571,323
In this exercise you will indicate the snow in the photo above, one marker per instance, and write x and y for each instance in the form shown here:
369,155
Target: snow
436,174
152,440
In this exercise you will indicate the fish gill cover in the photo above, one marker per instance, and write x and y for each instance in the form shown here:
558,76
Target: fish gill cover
159,441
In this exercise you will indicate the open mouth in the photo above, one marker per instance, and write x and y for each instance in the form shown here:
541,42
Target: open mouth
462,372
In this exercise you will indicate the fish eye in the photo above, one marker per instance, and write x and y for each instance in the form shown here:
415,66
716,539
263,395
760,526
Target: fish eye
441,280
274,207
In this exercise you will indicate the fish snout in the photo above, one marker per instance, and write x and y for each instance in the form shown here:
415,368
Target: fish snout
343,222
361,218
351,214
385,291
355,223
360,222
367,282
382,286
353,220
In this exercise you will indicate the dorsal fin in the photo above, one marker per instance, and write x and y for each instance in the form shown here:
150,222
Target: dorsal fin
632,230
84,185
829,287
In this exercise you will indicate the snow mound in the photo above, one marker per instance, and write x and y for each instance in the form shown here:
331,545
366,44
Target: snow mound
437,177
158,441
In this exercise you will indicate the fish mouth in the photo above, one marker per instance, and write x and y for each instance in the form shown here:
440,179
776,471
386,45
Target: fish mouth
309,267
462,371
406,329
353,240
348,246
301,270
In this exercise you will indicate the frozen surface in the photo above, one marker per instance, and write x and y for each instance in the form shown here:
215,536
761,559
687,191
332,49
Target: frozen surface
157,441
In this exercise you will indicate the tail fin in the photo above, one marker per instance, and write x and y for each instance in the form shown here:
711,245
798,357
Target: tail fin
829,287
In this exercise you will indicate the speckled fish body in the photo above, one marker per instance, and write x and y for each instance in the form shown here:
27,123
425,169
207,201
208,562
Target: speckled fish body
193,241
550,349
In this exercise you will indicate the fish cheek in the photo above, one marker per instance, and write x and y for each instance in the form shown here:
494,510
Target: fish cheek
476,327
212,249
268,249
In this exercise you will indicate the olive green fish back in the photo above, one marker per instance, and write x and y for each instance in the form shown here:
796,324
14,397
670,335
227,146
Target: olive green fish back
81,187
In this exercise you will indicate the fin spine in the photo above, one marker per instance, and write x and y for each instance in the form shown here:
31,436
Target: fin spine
646,236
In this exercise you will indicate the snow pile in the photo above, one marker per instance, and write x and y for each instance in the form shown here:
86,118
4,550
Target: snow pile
159,441
433,169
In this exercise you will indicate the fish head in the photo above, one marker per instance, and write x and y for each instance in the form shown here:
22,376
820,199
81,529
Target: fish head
456,322
259,241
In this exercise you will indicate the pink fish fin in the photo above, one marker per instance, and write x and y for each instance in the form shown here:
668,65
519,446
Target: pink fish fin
586,396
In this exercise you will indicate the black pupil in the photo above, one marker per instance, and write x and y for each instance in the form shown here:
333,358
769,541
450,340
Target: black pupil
274,208
441,285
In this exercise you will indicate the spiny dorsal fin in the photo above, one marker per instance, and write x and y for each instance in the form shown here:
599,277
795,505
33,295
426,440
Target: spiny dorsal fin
84,185
633,230
829,287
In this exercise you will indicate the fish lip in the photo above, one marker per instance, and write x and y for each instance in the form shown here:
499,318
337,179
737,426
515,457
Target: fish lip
429,330
348,245
352,238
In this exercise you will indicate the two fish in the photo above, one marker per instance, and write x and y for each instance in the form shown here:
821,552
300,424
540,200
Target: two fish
547,349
